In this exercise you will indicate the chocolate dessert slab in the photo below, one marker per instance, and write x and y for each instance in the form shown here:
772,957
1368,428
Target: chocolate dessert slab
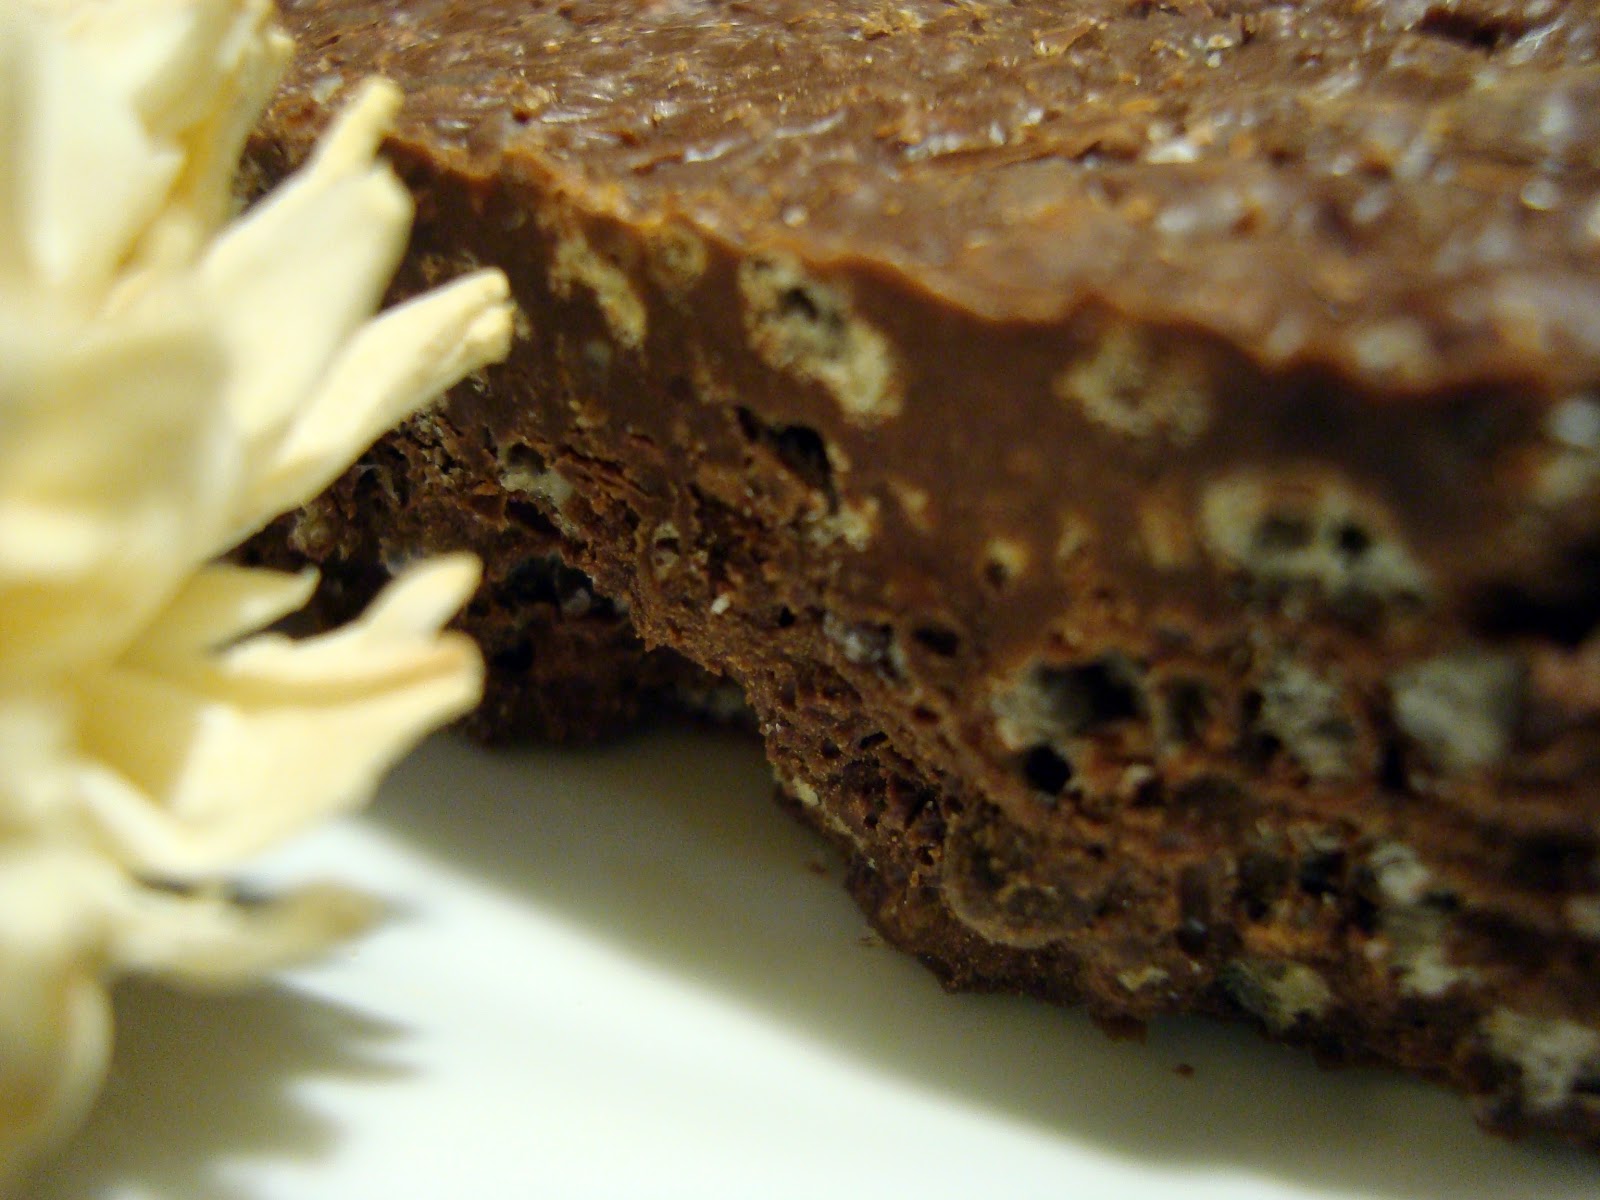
1139,462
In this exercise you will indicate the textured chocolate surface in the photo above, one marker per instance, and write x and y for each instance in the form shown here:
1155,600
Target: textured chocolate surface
1139,462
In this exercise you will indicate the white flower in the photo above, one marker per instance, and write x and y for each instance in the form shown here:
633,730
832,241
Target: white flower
168,384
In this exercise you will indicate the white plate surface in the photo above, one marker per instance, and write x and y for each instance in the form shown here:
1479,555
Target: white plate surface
625,973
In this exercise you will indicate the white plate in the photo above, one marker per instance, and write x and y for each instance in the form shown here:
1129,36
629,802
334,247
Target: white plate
625,973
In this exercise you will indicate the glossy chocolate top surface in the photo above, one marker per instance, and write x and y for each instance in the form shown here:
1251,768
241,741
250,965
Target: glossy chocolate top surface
1408,191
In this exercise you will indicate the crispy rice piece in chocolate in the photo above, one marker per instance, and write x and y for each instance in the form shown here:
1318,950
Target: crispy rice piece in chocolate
1139,462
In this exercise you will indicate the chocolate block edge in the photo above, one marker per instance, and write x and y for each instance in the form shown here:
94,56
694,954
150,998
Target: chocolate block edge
1187,679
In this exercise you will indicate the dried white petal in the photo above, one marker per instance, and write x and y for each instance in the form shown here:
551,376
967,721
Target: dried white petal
114,453
385,372
55,1019
335,233
61,226
218,604
223,755
209,940
196,73
166,388
65,914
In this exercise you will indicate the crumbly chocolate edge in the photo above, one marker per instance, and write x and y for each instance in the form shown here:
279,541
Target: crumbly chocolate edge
1397,908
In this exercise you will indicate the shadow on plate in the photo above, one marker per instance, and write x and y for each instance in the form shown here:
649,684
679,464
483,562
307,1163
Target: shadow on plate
669,846
198,1081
